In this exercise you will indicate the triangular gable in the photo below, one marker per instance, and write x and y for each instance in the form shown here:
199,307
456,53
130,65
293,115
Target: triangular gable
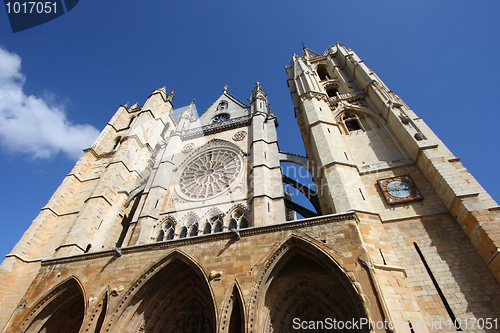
224,104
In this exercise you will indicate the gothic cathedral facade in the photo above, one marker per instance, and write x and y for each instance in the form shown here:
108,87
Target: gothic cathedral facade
178,222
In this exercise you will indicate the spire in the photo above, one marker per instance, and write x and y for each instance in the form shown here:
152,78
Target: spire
163,92
170,96
258,96
135,106
299,66
307,53
189,112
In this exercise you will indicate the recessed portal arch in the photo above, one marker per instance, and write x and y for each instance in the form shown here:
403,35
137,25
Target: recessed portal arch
177,298
302,281
61,311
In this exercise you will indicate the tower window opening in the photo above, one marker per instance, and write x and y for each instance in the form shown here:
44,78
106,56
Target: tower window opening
352,125
352,122
322,71
332,91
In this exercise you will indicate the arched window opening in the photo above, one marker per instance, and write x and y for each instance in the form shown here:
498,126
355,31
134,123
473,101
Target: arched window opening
218,227
237,219
208,229
322,71
170,234
190,221
352,122
183,232
243,223
160,236
194,231
332,91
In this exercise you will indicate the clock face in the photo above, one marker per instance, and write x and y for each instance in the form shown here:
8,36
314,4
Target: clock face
399,189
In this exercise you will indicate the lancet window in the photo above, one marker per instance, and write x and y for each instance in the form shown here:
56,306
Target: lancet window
237,220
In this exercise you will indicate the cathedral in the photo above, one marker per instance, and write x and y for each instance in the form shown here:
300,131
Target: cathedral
178,222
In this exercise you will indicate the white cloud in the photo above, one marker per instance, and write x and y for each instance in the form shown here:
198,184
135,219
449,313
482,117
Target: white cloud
33,125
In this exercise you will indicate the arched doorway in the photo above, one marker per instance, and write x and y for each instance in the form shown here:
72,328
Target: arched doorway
307,290
63,312
176,299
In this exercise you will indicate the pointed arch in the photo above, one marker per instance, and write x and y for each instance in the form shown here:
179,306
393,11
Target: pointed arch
215,211
172,295
301,279
233,311
61,310
165,229
360,111
100,311
356,119
189,219
237,217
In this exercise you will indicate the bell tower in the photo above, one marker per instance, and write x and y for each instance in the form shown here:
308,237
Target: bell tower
371,154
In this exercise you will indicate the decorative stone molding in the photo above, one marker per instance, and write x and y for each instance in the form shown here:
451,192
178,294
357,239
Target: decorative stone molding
187,148
240,135
216,127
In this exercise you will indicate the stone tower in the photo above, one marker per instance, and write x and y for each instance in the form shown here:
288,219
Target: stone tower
178,222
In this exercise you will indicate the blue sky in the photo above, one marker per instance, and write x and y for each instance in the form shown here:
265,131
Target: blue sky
61,82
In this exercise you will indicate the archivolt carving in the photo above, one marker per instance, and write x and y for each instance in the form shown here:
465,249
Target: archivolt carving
303,285
67,297
161,299
233,297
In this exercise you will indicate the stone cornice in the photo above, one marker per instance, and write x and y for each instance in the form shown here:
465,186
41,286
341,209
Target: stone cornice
136,138
82,180
59,214
99,156
18,257
247,232
99,197
126,167
314,94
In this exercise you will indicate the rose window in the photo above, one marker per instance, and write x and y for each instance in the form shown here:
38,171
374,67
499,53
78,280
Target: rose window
210,173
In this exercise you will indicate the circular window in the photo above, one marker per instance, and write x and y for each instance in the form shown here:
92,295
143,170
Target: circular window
220,118
210,173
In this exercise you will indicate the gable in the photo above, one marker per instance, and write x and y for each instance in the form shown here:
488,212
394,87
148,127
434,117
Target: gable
224,106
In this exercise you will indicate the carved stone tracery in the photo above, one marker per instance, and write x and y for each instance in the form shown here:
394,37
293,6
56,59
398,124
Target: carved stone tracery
210,173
